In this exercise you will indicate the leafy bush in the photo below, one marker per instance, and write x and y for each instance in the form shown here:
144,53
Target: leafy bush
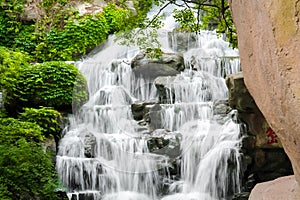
10,60
115,17
26,172
10,23
47,118
74,39
12,130
49,84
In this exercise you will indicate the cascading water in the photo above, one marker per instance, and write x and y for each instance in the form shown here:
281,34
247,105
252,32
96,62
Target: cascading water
105,153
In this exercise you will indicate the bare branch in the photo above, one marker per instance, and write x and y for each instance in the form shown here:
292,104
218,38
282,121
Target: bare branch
202,3
198,18
158,13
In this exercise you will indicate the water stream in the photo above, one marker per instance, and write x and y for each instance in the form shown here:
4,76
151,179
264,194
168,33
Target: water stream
105,154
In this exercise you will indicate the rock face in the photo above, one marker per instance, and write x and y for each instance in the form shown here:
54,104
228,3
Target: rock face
263,156
269,37
249,113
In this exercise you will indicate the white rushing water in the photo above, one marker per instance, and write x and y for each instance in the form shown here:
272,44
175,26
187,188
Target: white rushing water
105,153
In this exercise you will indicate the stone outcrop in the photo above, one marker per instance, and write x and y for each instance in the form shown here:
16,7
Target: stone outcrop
263,156
240,99
268,34
169,64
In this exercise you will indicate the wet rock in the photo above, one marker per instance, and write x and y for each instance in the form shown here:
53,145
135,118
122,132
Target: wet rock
241,196
154,117
248,142
182,41
166,143
61,192
221,107
139,109
163,85
239,97
86,196
89,145
169,64
220,110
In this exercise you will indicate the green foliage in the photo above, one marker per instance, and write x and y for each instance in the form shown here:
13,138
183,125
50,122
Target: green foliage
49,84
74,39
47,118
115,17
10,24
10,60
26,172
12,130
219,17
145,39
61,32
186,18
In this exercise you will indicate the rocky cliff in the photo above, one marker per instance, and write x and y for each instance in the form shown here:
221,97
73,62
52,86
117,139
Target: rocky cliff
268,34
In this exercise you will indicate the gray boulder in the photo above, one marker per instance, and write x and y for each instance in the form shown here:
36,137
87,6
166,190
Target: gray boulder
169,64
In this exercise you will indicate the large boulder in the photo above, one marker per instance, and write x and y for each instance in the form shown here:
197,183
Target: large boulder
169,64
269,45
278,189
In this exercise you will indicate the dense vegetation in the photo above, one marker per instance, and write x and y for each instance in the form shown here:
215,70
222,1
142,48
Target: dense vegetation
26,171
38,84
59,31
49,84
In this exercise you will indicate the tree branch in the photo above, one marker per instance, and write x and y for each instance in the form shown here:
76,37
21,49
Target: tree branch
157,14
202,4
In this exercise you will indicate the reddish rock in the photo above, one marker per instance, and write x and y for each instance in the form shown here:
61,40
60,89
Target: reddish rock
269,45
279,189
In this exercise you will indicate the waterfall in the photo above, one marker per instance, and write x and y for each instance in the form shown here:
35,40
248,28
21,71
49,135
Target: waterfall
105,153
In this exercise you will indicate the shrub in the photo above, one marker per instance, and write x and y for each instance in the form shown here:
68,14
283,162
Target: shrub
49,84
74,39
116,18
10,60
26,172
12,130
48,119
